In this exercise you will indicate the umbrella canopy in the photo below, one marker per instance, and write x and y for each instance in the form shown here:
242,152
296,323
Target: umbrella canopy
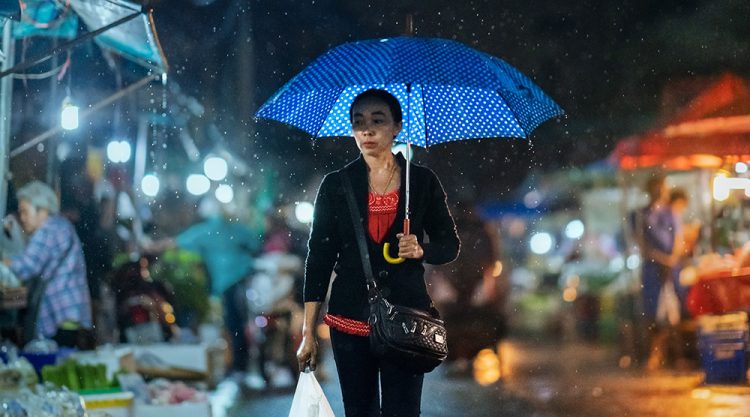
447,91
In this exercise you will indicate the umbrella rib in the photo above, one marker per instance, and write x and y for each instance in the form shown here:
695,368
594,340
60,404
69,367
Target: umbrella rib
328,112
515,115
424,117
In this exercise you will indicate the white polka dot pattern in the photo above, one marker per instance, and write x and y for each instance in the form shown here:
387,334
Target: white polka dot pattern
447,91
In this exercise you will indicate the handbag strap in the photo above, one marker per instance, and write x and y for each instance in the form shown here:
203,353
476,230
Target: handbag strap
359,232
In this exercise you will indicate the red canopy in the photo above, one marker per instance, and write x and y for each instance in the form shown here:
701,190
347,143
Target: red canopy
714,128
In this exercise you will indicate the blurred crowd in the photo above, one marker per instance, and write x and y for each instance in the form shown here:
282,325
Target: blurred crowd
104,267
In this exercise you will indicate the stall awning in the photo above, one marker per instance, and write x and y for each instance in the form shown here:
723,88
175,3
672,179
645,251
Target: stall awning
658,150
711,130
135,40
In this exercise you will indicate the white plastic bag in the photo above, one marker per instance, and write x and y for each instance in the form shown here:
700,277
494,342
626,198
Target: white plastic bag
668,305
309,400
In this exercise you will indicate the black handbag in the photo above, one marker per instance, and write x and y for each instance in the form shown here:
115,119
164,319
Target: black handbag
413,338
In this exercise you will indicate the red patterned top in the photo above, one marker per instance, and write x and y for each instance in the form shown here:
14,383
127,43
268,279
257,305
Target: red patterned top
382,212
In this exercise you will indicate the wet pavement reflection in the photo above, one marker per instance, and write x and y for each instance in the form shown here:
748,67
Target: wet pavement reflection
540,379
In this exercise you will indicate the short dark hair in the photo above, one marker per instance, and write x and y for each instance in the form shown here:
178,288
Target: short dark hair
383,96
678,194
654,185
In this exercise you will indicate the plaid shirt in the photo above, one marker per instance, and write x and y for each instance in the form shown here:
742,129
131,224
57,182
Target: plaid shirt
54,252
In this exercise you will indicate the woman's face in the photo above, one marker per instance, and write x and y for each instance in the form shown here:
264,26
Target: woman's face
31,217
373,126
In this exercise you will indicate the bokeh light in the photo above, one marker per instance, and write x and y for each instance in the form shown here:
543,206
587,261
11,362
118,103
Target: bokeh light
197,184
541,243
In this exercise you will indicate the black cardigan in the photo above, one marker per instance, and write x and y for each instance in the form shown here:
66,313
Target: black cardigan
333,244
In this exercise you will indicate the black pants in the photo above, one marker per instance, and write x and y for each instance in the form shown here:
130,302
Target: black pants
235,317
358,373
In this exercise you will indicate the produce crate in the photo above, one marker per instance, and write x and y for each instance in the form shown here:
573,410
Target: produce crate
723,348
184,361
181,410
115,404
731,321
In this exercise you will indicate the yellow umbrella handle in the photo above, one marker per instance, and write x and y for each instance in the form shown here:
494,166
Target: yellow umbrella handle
388,257
387,246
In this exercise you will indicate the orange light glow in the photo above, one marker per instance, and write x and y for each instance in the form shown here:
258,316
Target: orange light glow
487,367
701,394
573,281
498,269
625,361
570,294
507,354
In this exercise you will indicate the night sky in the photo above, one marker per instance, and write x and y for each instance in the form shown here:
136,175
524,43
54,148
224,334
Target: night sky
605,62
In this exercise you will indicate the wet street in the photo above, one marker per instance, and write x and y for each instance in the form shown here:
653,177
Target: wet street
543,380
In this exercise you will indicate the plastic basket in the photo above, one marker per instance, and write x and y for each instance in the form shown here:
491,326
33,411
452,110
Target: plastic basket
731,321
723,356
39,360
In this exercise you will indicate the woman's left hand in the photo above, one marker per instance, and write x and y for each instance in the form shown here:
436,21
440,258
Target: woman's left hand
408,247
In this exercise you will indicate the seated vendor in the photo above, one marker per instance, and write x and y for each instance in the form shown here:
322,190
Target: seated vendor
54,255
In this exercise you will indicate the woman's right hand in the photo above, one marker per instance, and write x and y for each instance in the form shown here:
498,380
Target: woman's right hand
308,352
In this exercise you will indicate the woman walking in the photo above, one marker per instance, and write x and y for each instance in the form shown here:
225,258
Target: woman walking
372,386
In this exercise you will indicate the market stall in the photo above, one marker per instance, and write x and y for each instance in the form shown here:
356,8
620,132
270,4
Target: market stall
703,148
720,293
123,381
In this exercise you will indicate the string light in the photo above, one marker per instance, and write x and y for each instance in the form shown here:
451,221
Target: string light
150,185
215,168
224,193
197,184
69,115
119,151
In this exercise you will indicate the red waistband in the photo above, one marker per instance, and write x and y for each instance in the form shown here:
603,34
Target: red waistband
347,325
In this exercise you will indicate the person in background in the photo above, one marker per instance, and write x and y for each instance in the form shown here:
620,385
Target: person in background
686,235
475,315
655,232
227,248
54,255
80,206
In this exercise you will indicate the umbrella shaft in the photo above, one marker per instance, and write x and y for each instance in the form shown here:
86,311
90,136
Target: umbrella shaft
408,164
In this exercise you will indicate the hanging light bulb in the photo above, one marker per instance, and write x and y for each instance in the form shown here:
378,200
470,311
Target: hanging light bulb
304,212
215,168
224,193
69,115
197,184
119,151
150,185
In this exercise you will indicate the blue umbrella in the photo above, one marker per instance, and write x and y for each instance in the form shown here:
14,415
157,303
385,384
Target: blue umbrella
447,91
